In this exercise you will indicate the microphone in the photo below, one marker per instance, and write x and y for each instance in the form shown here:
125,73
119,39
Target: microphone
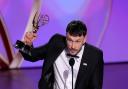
71,63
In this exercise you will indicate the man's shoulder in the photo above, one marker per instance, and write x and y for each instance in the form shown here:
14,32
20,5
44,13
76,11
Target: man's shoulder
94,52
92,47
57,39
57,35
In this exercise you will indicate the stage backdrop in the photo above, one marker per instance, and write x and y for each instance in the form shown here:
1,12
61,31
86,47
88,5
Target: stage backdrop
106,20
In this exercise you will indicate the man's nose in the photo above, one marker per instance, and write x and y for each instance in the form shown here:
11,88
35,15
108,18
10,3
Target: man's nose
73,45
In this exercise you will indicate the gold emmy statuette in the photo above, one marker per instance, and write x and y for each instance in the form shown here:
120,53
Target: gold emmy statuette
37,22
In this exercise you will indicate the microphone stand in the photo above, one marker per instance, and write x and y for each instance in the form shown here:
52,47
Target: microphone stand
71,62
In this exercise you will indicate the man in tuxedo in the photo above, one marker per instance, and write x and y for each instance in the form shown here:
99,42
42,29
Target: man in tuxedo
56,70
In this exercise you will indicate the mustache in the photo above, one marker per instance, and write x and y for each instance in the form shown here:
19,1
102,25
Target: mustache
73,50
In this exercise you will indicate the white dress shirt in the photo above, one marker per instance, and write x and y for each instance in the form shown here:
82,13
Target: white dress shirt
63,73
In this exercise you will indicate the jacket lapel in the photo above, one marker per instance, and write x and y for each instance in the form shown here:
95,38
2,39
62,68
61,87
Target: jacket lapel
83,68
53,56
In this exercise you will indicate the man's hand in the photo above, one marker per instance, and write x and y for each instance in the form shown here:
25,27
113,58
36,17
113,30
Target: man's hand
29,38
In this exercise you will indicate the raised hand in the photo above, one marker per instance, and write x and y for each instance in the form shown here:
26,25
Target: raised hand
29,38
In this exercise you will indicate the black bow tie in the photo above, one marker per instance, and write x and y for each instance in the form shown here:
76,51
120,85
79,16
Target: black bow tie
74,56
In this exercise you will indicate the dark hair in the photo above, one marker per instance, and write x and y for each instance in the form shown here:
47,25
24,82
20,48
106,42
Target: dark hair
76,28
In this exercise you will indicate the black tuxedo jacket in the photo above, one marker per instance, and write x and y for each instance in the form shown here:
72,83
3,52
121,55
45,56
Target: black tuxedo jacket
90,76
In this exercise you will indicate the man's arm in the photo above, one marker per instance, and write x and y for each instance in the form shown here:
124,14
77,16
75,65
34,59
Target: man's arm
97,77
29,52
34,54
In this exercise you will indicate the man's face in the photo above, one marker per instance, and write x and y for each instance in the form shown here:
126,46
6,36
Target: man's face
74,43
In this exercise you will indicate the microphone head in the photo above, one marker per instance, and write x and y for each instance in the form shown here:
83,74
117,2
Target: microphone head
71,62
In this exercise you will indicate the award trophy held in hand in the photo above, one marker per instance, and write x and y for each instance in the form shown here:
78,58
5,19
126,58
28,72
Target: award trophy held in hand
36,23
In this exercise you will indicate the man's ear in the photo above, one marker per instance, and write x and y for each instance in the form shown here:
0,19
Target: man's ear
85,39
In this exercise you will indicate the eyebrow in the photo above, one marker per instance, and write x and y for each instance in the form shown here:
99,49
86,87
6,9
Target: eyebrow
72,40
